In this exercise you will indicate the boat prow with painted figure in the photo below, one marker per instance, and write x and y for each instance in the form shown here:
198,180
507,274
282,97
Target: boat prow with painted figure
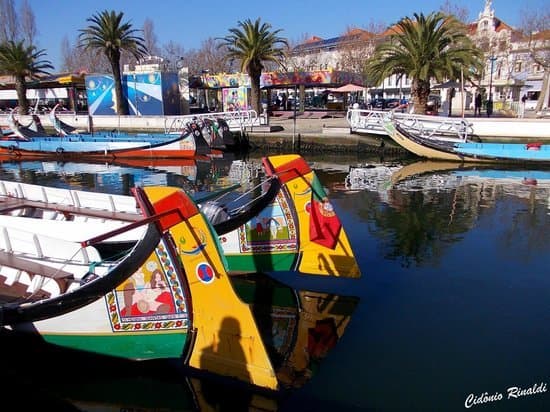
299,231
172,307
46,275
179,304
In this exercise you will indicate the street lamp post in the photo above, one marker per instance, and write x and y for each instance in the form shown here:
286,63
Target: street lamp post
205,89
490,101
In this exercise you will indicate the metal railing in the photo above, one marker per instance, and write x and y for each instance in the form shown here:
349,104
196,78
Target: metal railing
372,121
237,120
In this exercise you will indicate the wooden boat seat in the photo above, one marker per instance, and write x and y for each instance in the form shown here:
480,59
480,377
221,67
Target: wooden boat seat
16,195
25,243
48,266
11,204
29,266
73,230
23,278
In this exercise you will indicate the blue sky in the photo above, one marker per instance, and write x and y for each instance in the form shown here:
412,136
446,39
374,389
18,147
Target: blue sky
189,22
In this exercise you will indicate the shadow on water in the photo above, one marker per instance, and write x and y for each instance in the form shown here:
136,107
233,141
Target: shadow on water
298,327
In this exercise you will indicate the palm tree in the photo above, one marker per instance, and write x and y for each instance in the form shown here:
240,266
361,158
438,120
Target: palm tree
109,34
429,48
22,62
253,43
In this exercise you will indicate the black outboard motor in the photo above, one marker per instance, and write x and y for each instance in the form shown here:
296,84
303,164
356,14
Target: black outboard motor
215,212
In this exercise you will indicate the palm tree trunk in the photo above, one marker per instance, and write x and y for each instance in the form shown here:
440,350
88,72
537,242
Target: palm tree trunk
420,91
21,89
545,90
121,102
255,90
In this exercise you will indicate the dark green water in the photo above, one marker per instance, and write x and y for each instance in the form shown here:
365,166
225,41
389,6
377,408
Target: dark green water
454,298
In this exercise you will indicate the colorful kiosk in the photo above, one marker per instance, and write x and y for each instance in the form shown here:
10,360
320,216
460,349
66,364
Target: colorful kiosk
230,91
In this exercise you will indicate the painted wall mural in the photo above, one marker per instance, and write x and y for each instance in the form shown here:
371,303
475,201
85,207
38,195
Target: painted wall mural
234,98
151,93
101,95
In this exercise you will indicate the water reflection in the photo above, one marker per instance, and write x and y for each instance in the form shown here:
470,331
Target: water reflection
453,300
299,328
194,175
420,208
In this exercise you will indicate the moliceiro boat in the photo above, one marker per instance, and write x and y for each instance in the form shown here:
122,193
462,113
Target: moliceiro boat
46,276
215,132
187,143
179,303
277,218
466,151
299,231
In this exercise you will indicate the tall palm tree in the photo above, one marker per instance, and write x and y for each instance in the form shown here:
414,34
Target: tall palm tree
108,33
253,43
23,62
433,47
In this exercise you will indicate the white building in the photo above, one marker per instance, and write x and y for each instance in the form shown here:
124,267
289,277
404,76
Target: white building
509,74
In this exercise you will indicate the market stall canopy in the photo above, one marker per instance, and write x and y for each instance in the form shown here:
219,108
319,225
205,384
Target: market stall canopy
347,88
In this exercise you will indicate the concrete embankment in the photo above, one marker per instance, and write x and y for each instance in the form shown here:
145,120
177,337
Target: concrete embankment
328,135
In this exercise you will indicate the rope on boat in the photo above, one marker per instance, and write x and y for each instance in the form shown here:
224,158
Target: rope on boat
240,208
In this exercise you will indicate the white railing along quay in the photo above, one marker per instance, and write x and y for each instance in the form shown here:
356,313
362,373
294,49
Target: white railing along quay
372,121
482,127
237,120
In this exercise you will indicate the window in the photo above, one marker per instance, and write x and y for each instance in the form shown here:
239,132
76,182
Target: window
517,66
533,95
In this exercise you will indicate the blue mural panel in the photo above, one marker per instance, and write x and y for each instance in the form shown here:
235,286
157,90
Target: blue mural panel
151,93
101,94
144,93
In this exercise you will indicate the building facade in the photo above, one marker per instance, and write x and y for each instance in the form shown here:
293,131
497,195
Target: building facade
510,71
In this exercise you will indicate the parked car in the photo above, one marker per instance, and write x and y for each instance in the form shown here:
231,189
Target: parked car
433,105
379,104
392,103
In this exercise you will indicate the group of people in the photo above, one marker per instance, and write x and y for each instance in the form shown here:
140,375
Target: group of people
478,102
489,105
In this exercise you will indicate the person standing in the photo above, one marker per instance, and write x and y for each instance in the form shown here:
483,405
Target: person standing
521,111
477,105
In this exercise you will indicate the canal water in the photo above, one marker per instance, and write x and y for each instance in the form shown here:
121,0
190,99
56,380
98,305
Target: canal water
452,309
